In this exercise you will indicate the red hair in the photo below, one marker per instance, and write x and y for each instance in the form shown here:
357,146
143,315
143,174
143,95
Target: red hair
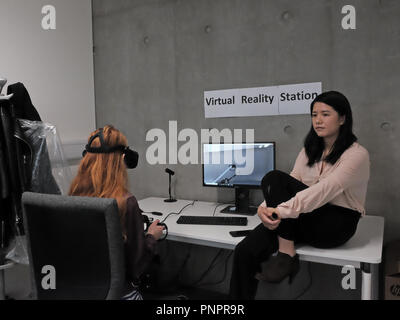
103,175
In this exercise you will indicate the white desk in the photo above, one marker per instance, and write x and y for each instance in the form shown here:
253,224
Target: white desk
363,251
206,235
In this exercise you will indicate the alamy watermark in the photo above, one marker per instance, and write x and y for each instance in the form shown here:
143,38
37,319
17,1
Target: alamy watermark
349,20
49,19
188,153
349,280
49,280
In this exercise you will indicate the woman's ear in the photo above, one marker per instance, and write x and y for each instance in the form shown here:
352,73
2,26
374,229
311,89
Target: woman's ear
342,120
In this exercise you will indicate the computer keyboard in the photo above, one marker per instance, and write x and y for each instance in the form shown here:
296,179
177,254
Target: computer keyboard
209,220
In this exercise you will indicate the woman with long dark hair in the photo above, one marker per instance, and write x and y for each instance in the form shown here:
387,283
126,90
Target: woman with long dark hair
102,173
319,203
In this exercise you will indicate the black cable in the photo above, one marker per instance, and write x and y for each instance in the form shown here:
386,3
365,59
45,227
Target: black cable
208,269
176,278
309,284
224,275
178,213
221,204
166,253
215,258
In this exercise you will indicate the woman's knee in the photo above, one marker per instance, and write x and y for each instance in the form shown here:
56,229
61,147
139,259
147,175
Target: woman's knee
272,177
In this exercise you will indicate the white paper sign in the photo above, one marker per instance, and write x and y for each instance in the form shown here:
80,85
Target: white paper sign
296,98
262,101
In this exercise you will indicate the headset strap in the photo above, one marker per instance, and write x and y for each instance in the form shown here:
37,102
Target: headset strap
104,148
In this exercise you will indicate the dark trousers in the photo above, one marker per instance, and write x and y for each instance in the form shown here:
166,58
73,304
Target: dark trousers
326,227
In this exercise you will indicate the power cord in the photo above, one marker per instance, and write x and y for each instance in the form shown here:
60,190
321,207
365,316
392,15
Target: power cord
224,275
215,209
176,278
178,213
208,269
221,204
148,220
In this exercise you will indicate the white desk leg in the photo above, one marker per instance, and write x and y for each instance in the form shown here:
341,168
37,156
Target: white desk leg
2,286
366,281
375,281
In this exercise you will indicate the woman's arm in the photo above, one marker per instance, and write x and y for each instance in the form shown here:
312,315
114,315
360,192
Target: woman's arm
352,170
140,248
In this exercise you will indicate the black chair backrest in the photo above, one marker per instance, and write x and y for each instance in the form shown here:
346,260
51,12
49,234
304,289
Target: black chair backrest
81,238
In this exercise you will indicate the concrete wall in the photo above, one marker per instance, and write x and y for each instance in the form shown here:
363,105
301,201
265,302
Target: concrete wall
154,59
56,66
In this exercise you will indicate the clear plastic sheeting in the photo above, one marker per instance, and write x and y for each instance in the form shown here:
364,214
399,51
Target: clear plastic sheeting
46,151
50,172
19,251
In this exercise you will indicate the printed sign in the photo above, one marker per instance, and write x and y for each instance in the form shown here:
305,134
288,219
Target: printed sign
262,101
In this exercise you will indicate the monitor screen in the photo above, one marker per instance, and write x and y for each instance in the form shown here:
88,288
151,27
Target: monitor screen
237,164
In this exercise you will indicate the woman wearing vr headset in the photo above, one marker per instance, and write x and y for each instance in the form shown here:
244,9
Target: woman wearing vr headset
103,173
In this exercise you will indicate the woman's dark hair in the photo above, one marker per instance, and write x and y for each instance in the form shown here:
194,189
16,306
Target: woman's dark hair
314,145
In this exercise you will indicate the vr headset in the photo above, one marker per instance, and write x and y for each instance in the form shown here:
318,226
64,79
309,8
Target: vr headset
131,158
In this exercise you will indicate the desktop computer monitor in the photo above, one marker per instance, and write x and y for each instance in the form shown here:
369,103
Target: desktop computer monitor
237,165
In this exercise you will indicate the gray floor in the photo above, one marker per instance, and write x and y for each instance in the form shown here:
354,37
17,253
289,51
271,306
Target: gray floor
17,278
17,282
315,281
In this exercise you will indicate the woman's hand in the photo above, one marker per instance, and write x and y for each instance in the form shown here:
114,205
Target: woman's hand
155,230
265,215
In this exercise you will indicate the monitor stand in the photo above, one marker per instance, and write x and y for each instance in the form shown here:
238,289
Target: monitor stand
241,203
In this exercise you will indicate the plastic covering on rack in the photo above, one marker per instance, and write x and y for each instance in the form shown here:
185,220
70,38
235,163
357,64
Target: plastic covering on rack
51,172
47,146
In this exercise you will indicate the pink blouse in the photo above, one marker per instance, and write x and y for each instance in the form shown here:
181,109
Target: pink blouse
343,184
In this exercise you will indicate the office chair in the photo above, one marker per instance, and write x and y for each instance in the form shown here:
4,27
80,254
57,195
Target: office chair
81,238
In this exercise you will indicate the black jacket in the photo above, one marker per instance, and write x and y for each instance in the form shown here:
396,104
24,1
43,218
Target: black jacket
24,108
17,152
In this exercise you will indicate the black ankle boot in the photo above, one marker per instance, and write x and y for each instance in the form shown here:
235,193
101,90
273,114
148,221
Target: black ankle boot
278,267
